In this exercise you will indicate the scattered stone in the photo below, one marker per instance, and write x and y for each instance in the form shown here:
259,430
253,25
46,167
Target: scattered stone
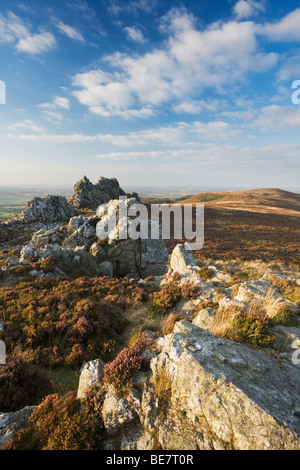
91,377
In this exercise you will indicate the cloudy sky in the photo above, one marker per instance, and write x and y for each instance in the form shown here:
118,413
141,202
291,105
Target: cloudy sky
153,92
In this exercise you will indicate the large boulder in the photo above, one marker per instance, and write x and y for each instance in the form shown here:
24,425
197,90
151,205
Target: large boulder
208,393
230,395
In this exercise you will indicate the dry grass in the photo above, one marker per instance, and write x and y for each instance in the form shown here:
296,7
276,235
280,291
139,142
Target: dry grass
253,270
273,305
140,319
252,323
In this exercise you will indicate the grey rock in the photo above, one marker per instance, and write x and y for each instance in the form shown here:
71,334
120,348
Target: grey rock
11,423
183,262
241,398
87,195
47,209
91,377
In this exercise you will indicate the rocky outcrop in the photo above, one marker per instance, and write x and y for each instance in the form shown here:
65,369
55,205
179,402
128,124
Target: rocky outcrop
208,393
47,209
87,195
76,247
10,423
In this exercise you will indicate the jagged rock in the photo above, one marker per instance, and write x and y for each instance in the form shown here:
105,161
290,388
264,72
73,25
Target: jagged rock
183,262
106,269
91,377
285,336
87,195
116,412
11,423
83,235
205,318
74,247
226,395
76,222
47,209
130,257
53,235
214,394
67,259
252,290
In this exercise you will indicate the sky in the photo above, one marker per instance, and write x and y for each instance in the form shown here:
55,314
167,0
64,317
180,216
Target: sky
152,92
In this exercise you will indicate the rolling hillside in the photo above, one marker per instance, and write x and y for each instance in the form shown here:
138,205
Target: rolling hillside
274,201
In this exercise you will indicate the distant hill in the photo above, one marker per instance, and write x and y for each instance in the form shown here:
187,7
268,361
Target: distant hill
275,201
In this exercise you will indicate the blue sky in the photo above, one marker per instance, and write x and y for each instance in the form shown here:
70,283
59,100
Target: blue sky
155,93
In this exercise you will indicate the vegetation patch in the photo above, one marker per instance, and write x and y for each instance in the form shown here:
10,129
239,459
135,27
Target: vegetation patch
55,323
63,423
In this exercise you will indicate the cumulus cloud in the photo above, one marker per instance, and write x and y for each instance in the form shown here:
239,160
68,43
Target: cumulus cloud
188,61
247,8
36,43
285,30
14,31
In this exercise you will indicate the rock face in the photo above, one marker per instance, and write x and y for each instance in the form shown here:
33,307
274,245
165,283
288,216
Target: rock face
183,262
219,395
87,195
47,209
10,423
90,377
75,247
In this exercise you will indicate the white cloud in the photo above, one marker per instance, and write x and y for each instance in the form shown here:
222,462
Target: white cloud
134,34
12,28
189,61
290,68
52,110
69,31
247,8
26,124
278,117
286,30
36,43
14,31
180,133
61,102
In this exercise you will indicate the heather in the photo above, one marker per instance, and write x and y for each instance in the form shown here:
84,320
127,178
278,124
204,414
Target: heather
119,372
21,384
60,322
63,423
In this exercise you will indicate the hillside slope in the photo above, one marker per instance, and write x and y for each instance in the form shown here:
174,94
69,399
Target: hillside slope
274,201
